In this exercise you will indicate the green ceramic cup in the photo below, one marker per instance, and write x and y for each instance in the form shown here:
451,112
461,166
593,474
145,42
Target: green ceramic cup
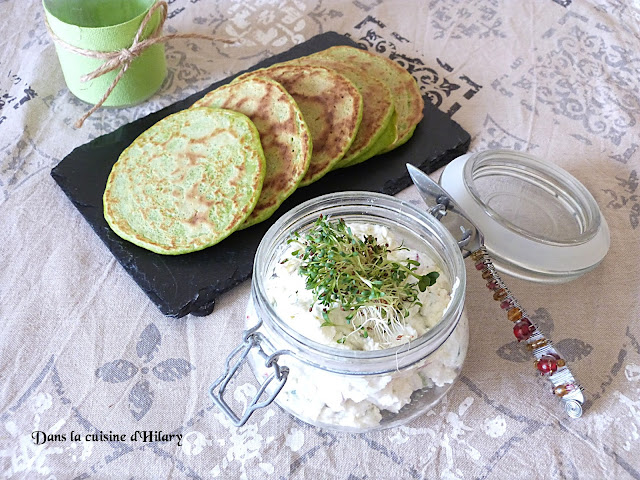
106,25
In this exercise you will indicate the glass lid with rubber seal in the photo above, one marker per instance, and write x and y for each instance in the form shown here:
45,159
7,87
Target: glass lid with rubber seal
539,222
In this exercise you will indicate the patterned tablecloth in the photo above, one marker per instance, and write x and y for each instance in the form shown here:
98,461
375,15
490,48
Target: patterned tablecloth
83,349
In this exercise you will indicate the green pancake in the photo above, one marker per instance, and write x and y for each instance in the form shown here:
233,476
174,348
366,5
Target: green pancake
407,99
187,182
379,146
330,104
285,138
378,107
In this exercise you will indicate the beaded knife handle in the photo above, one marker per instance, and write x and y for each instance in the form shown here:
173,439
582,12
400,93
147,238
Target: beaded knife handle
471,242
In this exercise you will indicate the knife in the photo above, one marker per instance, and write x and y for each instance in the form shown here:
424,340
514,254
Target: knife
547,360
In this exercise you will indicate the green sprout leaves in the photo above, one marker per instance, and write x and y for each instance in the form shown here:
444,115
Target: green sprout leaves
427,280
347,272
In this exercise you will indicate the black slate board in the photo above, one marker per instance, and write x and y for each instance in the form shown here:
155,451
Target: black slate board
190,283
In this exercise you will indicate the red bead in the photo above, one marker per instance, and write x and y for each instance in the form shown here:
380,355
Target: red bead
506,304
523,329
492,285
480,266
549,363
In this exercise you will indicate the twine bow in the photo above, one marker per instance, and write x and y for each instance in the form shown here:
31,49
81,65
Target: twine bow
122,59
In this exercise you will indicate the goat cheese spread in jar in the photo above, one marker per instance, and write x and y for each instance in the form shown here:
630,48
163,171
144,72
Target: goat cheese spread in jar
377,322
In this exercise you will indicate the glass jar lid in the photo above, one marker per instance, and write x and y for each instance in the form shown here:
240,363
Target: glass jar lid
539,222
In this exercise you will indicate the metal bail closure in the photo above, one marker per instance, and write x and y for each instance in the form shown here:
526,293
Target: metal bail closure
252,339
443,208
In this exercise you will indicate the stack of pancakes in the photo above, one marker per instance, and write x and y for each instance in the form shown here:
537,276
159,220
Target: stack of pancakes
230,160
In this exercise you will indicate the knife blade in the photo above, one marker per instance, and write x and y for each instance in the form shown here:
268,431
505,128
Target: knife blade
445,209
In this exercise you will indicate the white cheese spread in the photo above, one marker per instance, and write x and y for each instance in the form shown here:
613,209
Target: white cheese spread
323,397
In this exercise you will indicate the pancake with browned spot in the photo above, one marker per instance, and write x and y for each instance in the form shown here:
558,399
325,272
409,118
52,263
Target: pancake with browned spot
330,104
187,182
377,114
285,138
407,100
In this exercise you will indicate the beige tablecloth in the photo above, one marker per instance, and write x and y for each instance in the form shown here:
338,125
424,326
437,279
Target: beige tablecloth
83,349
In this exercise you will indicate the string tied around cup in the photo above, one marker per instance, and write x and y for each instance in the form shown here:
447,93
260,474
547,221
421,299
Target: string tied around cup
122,59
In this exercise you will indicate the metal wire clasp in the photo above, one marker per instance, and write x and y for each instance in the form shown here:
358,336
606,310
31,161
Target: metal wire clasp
251,339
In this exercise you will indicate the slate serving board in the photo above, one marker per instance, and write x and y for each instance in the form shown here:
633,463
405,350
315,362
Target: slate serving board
190,283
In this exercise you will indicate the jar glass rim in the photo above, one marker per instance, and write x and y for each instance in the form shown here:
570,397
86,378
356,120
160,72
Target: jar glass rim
524,167
368,204
557,232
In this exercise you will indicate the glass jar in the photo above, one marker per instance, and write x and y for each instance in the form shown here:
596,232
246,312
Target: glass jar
539,222
343,389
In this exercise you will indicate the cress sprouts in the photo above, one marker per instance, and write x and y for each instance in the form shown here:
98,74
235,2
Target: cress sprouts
357,276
